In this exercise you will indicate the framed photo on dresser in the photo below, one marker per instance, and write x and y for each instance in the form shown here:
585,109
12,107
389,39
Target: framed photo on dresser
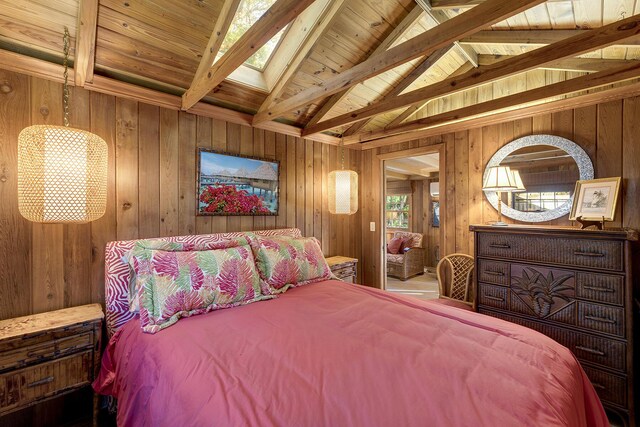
595,199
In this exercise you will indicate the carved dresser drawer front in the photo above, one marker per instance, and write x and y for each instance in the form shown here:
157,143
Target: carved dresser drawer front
610,388
343,272
601,318
605,288
492,296
495,272
19,388
600,254
31,354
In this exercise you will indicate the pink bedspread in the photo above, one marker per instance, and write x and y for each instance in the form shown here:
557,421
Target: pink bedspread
333,354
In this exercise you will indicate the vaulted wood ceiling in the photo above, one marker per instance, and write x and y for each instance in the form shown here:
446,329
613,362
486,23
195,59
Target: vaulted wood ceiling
358,69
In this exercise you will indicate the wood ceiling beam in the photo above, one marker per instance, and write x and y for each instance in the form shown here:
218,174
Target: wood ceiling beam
457,4
85,41
220,29
583,65
578,84
573,46
439,17
614,94
320,25
405,25
414,75
488,13
530,37
275,19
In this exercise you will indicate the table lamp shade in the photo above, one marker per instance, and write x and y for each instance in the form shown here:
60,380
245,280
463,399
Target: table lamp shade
499,178
519,184
343,192
62,175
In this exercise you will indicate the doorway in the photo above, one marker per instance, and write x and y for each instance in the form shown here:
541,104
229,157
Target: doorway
411,222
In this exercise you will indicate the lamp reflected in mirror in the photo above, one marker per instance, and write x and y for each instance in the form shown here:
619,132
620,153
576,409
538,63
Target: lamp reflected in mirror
499,179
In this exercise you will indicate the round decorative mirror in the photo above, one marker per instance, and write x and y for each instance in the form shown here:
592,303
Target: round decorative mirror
549,167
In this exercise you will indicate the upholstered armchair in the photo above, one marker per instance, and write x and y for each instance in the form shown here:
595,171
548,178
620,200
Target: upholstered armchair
410,262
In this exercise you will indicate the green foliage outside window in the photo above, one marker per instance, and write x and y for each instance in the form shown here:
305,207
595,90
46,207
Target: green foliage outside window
397,211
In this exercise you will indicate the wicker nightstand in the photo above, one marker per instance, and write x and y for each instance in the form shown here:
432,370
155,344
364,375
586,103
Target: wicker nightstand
48,354
343,267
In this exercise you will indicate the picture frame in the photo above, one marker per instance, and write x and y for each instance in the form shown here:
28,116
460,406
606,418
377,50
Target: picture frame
435,214
235,185
595,199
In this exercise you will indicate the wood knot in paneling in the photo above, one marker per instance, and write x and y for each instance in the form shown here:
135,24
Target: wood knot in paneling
126,206
5,87
44,110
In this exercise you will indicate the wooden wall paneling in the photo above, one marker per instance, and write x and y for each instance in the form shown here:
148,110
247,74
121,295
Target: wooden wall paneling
522,127
308,187
490,145
609,150
355,243
299,194
367,236
317,190
449,213
585,130
148,171
562,125
204,131
630,169
475,172
169,166
324,239
270,153
218,143
103,230
333,219
282,154
246,149
186,173
461,184
234,223
127,169
541,123
47,239
15,245
77,237
258,151
342,220
375,203
292,167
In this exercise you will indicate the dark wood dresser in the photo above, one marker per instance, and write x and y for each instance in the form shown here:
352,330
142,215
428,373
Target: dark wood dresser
573,285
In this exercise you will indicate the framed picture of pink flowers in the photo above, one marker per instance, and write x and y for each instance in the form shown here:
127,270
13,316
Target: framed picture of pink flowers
230,184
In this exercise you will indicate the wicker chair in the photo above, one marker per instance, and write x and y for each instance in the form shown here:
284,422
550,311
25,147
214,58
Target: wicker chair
455,274
411,262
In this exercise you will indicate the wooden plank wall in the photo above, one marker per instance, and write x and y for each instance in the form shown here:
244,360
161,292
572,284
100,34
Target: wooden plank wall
152,167
609,133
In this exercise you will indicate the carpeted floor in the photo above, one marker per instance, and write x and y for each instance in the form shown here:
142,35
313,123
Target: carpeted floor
424,286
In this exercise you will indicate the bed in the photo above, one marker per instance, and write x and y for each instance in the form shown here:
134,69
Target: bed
337,354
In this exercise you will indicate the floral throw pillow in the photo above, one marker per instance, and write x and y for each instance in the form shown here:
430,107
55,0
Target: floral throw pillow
176,284
286,262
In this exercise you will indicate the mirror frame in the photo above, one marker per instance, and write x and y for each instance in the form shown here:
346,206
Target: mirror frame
585,168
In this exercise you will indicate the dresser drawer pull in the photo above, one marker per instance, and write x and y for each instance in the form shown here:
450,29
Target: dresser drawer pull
499,245
494,298
590,350
591,254
597,289
46,380
600,319
494,273
598,386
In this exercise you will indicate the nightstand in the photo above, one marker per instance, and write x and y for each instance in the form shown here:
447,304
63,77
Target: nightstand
46,355
343,267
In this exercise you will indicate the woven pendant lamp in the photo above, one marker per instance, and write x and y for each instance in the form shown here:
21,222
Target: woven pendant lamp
62,172
343,189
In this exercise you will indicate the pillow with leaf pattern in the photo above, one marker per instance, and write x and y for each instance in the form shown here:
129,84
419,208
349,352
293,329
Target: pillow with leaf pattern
286,262
177,283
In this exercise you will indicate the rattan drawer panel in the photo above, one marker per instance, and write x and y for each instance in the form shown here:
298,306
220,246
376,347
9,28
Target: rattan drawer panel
493,272
600,254
343,272
492,296
31,354
19,388
604,288
610,388
601,318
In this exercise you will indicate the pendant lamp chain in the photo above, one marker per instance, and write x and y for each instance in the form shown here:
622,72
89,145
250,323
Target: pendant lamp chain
65,63
341,153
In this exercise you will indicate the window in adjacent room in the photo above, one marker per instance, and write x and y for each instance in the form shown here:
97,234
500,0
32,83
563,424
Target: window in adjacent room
398,211
540,201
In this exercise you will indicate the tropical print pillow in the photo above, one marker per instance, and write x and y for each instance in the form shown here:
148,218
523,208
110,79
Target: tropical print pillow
164,245
284,262
176,284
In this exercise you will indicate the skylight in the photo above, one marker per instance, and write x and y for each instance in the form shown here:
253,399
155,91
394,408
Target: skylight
249,11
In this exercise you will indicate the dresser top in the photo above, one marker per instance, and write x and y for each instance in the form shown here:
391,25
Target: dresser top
35,323
613,233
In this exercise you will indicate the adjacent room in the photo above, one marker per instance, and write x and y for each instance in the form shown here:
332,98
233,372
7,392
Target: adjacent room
352,213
